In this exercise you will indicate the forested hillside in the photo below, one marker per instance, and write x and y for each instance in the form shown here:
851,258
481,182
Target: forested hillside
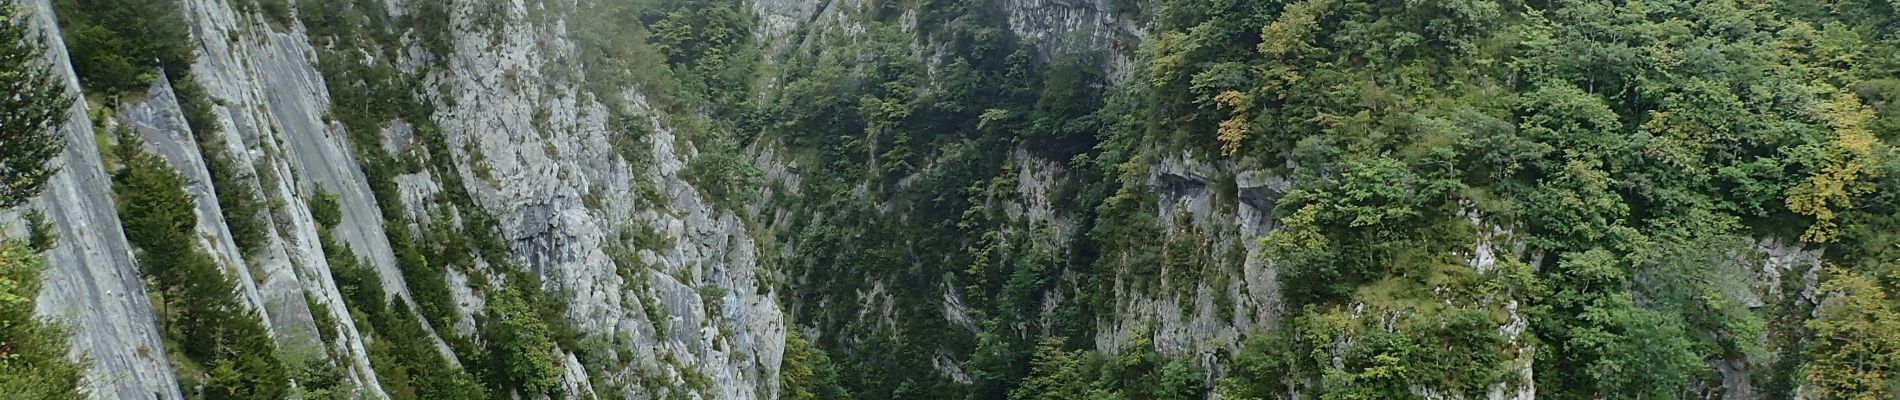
1467,191
951,199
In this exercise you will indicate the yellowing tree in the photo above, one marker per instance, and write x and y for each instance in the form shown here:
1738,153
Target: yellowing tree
1850,162
1856,349
1233,131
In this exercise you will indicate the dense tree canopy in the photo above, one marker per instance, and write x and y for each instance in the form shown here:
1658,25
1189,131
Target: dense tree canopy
120,46
1635,150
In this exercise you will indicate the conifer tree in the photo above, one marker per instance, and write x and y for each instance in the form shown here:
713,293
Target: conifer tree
32,105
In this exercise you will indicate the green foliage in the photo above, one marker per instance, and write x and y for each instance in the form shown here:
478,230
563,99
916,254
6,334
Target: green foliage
1342,231
1618,348
200,312
1629,143
33,107
275,11
807,372
901,178
1266,368
405,359
1632,142
430,22
40,233
706,42
1855,350
238,201
1629,147
1055,374
33,363
522,344
324,208
724,175
118,46
1135,373
316,376
411,353
514,350
1333,354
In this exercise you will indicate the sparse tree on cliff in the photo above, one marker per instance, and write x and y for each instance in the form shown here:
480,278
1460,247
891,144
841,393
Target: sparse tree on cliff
32,105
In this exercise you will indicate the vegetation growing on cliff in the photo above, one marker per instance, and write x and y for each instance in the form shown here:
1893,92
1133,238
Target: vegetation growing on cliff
34,105
1635,148
993,211
517,345
1635,169
221,347
33,361
120,46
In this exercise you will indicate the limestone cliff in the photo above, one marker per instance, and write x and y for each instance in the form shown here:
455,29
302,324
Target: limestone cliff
542,148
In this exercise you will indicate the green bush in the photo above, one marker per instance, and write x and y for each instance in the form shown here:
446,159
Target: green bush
276,11
324,208
40,233
522,345
724,176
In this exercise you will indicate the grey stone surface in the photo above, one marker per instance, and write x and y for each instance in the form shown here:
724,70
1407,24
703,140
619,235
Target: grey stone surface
270,103
91,282
161,126
1054,26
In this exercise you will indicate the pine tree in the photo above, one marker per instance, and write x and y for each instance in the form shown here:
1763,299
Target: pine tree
32,104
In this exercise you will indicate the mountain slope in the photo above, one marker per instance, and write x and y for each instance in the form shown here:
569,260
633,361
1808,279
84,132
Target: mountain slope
1019,199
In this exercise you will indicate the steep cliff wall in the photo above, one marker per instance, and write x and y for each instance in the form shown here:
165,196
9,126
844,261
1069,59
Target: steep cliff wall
694,306
536,148
270,100
90,280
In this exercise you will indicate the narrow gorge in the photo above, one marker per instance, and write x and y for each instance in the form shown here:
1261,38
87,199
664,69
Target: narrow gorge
954,199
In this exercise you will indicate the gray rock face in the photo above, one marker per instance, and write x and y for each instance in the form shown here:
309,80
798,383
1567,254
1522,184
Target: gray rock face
716,317
1780,258
160,124
1185,193
270,102
531,151
1056,25
90,278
